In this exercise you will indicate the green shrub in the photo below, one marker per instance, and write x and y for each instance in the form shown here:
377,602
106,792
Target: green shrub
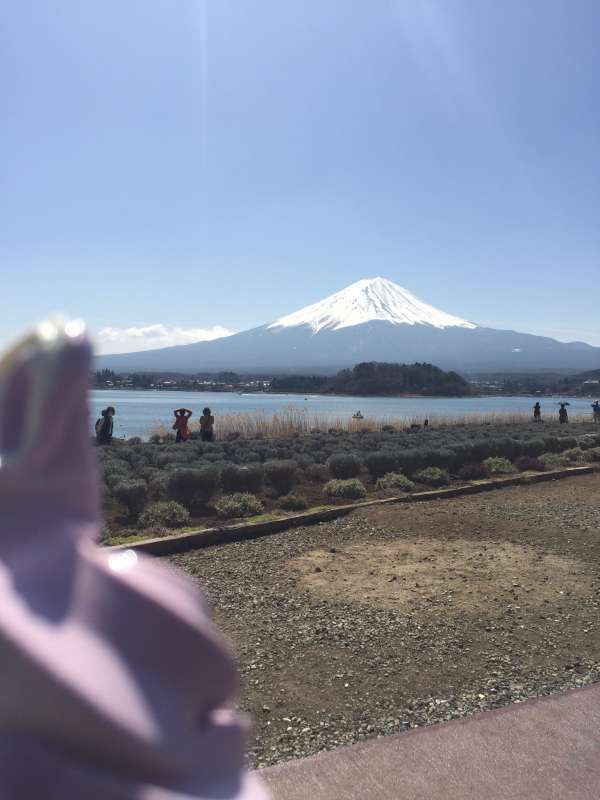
192,487
212,458
534,447
480,449
409,461
566,443
433,476
525,463
381,462
344,465
441,457
551,444
157,487
588,441
474,472
304,460
247,457
293,502
575,455
463,454
147,473
105,493
175,455
281,475
499,466
507,448
593,454
133,495
353,489
240,504
554,460
247,478
167,514
317,473
395,480
114,472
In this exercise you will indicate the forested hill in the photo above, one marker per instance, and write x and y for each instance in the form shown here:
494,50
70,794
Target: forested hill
378,379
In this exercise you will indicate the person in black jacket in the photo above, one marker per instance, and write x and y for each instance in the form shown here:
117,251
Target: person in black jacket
563,414
104,426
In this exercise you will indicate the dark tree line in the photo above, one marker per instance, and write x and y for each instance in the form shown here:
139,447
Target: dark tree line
373,378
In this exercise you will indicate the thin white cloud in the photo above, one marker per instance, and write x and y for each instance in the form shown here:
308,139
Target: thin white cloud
148,337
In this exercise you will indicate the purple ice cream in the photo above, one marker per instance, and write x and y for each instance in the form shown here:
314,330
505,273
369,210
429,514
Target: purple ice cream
114,680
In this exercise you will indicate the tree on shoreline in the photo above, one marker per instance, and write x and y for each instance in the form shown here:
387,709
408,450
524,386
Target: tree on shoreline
374,378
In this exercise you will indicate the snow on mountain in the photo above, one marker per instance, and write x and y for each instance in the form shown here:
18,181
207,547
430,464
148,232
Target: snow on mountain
368,300
372,320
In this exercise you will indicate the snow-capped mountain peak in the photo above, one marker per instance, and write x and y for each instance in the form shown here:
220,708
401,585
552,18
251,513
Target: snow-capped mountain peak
368,300
399,328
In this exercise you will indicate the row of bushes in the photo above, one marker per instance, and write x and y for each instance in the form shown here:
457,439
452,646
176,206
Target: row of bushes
170,514
469,444
191,487
437,476
192,475
194,487
412,460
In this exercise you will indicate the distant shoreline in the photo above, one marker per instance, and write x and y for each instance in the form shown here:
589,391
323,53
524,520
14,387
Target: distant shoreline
406,395
287,394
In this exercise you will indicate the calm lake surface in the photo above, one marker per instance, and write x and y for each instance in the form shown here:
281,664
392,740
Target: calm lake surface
138,411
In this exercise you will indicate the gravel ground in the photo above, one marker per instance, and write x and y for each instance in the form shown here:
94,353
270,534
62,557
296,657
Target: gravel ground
498,598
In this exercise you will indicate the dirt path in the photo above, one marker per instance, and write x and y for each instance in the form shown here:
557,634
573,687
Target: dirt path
403,615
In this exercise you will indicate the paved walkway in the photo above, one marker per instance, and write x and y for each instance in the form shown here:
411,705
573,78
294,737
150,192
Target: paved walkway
546,749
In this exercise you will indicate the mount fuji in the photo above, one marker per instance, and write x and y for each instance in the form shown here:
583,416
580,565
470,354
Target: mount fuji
365,301
371,320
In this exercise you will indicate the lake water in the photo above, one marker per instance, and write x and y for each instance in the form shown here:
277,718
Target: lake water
138,411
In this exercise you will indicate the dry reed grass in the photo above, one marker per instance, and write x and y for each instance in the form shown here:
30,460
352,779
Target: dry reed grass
293,420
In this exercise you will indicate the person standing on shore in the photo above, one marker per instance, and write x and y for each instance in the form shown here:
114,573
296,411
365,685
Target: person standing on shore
537,413
180,425
207,424
563,416
596,410
104,426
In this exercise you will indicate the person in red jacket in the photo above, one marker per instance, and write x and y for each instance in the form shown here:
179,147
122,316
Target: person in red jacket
181,423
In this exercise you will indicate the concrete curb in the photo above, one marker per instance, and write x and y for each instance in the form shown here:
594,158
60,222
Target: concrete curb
193,540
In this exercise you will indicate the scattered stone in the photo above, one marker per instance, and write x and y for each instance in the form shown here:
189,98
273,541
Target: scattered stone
323,672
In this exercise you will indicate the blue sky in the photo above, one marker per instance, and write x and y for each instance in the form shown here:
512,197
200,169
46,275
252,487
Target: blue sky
196,164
